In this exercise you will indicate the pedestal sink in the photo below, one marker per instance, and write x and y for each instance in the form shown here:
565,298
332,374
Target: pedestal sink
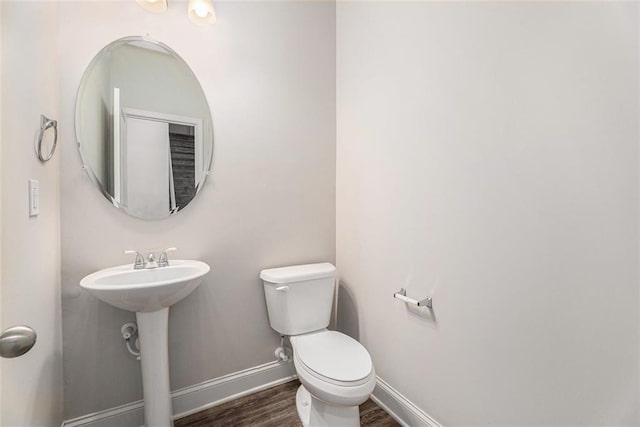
149,293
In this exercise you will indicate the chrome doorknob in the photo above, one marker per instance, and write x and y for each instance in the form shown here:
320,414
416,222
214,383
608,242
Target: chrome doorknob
16,341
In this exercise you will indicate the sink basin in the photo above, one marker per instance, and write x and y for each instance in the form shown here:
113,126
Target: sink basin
145,290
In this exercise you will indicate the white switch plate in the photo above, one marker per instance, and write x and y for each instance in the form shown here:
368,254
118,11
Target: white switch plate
34,197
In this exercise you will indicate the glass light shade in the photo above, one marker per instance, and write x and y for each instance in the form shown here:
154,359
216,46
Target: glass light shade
201,12
157,6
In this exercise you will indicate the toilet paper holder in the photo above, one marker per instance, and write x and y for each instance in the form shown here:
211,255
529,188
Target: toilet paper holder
402,296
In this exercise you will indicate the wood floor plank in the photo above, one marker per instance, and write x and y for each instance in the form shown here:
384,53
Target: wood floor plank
274,407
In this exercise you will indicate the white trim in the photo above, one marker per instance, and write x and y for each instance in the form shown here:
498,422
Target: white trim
399,407
205,395
109,416
117,141
198,397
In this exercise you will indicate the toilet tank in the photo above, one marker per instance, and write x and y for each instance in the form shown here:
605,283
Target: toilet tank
299,298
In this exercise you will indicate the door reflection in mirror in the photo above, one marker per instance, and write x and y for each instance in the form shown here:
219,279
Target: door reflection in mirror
158,155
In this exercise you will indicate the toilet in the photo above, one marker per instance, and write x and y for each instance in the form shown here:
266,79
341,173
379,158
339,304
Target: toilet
336,371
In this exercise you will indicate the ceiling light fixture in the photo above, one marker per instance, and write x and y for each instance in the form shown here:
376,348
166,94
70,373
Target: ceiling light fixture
156,6
201,12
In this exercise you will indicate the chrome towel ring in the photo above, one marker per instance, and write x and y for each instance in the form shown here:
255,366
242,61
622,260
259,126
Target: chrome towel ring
46,123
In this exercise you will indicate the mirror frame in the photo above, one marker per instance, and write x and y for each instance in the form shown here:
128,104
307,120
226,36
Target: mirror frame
207,161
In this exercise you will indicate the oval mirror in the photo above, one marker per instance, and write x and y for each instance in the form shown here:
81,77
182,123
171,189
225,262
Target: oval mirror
144,127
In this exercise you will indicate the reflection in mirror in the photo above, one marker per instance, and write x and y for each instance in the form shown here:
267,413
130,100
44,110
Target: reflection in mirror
144,128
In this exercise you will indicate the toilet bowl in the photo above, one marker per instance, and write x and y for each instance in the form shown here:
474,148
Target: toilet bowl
336,375
335,371
334,367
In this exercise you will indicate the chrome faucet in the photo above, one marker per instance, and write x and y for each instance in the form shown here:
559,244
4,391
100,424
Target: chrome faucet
163,261
151,261
139,262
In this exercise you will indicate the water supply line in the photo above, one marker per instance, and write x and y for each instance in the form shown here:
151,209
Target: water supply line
281,352
129,331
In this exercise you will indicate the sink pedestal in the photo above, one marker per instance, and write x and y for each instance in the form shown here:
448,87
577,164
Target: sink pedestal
154,353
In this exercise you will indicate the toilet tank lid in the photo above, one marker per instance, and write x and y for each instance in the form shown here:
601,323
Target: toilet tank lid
298,273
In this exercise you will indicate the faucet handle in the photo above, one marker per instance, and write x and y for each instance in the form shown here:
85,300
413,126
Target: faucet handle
139,262
163,260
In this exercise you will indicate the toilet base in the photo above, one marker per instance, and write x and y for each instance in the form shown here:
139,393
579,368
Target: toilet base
314,412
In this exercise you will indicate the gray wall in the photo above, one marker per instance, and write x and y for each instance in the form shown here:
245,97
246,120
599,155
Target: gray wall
268,70
488,156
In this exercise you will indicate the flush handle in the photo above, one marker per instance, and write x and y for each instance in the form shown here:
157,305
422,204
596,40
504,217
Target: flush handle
16,341
284,288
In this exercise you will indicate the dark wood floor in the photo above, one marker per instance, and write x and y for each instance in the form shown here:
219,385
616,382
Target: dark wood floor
274,407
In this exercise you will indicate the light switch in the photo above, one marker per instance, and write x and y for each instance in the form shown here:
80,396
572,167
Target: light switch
34,197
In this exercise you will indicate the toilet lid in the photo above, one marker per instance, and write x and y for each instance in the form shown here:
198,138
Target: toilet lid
334,355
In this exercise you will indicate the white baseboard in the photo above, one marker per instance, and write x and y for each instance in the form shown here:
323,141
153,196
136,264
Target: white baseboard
192,399
195,398
399,407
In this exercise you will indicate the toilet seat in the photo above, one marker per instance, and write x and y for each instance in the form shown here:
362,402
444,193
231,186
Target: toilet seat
333,357
320,357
